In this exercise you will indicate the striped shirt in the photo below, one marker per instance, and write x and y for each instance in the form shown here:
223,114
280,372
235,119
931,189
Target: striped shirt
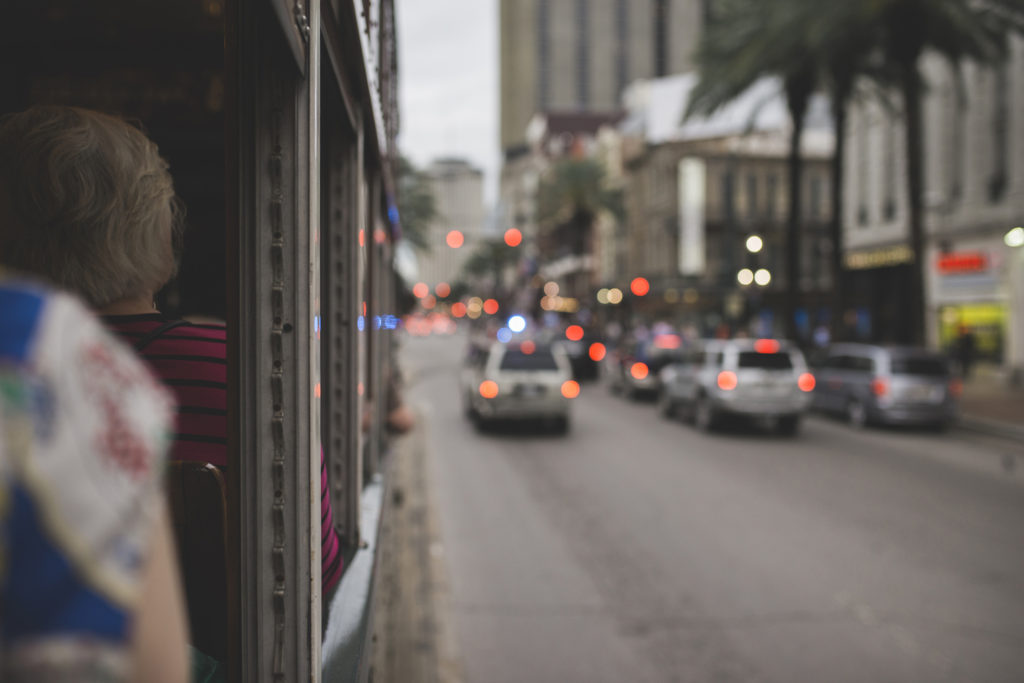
192,361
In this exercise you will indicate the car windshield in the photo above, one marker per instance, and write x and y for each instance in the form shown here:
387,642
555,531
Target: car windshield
927,367
765,361
540,359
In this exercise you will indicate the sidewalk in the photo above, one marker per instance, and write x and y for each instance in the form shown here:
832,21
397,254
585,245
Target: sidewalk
990,404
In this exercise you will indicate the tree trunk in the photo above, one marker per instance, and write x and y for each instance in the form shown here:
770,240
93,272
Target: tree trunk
798,94
911,87
840,98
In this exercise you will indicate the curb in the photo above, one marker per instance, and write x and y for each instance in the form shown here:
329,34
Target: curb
983,425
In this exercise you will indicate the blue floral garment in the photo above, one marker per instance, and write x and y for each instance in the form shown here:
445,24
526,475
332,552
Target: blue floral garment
83,432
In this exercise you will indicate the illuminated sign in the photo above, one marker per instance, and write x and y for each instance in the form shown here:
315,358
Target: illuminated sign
879,258
960,262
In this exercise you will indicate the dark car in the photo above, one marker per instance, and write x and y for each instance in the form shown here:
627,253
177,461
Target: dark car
634,367
888,385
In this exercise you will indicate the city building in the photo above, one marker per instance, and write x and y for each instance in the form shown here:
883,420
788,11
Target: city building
706,207
565,55
974,196
459,225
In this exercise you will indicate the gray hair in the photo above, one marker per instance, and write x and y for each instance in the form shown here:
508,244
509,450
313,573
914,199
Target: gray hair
87,202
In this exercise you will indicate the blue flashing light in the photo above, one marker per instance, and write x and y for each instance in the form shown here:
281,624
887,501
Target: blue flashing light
517,323
378,322
504,335
360,323
393,214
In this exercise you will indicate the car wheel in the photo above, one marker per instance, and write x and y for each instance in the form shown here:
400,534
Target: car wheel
561,425
705,417
788,425
857,413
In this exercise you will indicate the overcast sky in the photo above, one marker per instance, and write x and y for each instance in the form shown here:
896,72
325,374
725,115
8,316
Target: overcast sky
448,82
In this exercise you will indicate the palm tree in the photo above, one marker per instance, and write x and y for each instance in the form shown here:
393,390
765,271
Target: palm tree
957,30
569,198
746,40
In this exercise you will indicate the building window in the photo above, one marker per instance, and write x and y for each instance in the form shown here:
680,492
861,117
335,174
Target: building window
582,54
957,120
771,196
661,27
1000,128
816,197
862,146
889,180
543,55
727,197
621,46
752,196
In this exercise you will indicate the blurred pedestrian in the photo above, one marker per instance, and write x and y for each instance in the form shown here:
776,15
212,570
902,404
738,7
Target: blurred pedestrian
964,350
89,585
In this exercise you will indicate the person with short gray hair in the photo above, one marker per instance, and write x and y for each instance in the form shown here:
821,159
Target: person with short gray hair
87,202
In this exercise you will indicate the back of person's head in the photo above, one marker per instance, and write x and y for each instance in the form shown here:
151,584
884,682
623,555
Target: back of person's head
86,202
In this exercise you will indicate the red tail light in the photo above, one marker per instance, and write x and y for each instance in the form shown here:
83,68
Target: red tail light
880,386
639,370
570,389
727,380
806,382
489,389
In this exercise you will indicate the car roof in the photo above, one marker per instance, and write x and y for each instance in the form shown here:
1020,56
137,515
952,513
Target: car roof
901,351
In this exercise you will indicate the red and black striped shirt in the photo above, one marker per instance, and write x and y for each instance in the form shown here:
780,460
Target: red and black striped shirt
191,359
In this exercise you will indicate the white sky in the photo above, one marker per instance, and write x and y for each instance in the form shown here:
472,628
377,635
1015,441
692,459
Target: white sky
448,83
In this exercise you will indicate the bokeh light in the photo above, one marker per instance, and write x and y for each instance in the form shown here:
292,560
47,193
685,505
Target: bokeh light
442,289
571,389
504,335
762,277
517,323
551,289
574,333
489,388
754,244
420,290
806,382
727,380
528,347
640,286
597,352
454,239
639,370
602,295
513,237
459,309
491,306
615,296
745,276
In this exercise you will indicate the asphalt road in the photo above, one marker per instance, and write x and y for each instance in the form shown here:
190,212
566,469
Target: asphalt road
637,549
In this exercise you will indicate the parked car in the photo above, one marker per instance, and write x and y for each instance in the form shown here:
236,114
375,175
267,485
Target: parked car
762,378
518,381
634,367
888,385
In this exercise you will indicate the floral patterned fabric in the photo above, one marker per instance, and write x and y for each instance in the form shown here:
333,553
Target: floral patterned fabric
83,435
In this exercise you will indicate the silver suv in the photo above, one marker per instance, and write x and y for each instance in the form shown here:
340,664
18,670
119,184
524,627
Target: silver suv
888,384
753,378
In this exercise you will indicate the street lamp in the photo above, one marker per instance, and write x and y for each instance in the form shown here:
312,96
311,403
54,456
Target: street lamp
754,244
762,277
1014,238
745,276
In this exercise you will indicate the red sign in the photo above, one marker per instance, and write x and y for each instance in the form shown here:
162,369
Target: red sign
958,262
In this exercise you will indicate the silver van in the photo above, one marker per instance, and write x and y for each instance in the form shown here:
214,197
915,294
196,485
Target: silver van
887,385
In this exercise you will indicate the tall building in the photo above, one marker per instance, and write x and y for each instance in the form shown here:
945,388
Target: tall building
579,55
459,199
